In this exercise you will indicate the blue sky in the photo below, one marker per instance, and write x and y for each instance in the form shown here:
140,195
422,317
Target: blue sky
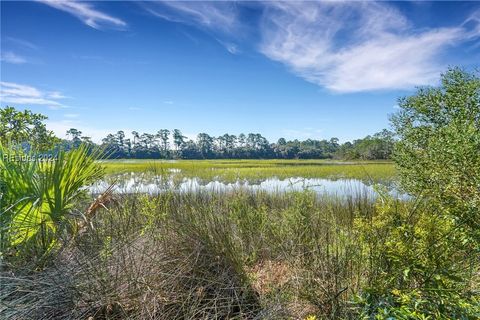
282,69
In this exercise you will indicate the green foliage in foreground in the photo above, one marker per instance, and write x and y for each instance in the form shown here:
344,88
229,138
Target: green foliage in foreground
430,259
244,255
201,255
423,267
38,196
255,255
438,155
232,170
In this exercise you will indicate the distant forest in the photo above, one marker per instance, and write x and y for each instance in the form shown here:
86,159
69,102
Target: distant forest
29,130
166,144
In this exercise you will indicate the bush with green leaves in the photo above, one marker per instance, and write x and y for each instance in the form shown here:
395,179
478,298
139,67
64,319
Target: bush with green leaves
419,265
39,198
424,258
438,152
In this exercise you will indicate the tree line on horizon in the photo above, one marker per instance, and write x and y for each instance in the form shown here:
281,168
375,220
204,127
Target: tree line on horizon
18,127
166,144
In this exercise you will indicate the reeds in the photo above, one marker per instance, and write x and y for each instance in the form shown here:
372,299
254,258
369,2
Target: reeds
241,254
200,255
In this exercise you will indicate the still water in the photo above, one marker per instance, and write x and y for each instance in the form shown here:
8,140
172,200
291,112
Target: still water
143,183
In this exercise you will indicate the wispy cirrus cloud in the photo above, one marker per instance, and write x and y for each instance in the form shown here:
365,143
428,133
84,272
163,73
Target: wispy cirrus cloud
339,45
14,45
56,95
353,46
87,13
473,22
11,57
221,17
20,42
20,94
230,46
218,15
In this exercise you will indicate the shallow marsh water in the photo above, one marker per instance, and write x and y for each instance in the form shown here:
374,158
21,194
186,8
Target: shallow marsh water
135,182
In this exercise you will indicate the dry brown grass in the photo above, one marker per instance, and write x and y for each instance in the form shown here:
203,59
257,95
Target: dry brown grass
191,256
270,275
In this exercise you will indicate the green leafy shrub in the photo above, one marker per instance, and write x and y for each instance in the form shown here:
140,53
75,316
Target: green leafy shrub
419,264
438,153
39,198
423,256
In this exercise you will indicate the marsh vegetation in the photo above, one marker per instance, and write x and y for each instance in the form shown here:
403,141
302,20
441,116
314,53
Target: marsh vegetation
250,253
231,170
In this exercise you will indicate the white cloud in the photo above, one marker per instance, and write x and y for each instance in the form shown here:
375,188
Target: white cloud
21,42
56,95
168,102
23,94
11,57
344,46
352,47
472,24
230,46
86,13
218,15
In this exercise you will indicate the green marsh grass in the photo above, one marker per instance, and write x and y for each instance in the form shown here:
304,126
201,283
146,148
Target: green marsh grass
201,255
232,170
232,255
243,254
